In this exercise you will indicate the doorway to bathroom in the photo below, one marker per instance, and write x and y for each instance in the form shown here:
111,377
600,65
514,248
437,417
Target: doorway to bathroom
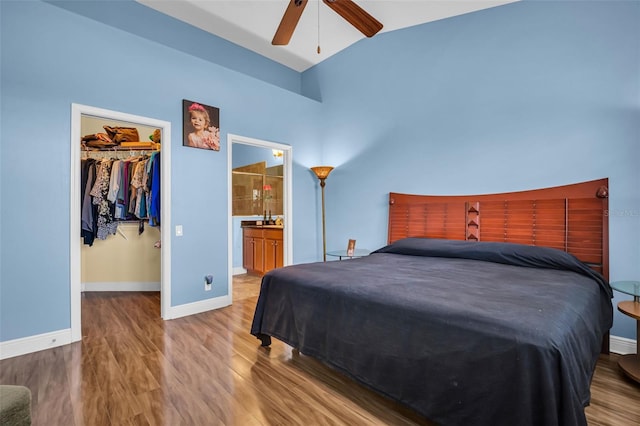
259,198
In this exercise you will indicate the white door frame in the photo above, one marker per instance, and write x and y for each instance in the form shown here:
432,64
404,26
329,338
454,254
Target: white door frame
287,193
77,111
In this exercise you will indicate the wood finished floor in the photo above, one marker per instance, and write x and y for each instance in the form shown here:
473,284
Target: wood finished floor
132,368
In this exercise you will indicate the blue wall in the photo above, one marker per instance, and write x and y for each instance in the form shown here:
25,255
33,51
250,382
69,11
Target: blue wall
135,18
52,58
526,95
521,96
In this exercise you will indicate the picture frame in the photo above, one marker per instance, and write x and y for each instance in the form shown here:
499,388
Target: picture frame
351,247
200,125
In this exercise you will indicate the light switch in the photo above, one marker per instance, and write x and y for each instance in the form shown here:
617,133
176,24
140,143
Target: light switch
178,230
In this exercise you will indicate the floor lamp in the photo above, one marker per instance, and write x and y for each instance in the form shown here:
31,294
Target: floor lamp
322,172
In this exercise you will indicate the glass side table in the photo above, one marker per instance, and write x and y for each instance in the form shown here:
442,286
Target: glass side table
343,253
630,363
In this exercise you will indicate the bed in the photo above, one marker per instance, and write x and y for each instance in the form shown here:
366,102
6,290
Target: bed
461,324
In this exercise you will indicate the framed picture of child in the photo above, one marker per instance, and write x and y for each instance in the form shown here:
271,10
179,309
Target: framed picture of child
200,125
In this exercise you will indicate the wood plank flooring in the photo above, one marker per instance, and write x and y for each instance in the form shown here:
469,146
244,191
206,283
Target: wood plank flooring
132,368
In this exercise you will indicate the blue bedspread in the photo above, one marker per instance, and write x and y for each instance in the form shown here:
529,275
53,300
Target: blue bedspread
465,333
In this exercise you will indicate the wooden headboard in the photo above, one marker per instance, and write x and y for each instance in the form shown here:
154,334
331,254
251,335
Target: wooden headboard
572,218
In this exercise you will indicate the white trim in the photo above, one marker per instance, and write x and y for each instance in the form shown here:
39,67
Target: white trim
27,345
75,267
165,218
239,270
199,307
622,345
288,196
121,286
77,110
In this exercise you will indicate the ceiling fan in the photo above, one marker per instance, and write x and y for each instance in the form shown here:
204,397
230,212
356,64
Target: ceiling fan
354,14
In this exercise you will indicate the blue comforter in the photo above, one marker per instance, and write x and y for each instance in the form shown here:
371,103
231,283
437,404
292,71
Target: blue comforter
466,333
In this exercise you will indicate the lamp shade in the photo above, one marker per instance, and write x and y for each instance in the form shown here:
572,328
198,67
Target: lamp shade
322,171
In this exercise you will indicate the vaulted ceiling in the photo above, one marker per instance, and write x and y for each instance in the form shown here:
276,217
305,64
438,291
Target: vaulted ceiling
253,23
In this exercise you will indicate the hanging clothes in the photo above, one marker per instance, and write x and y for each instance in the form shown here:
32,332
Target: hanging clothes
106,224
114,190
89,211
154,213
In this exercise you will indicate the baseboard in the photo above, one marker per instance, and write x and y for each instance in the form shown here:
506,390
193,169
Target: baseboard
239,270
198,307
26,345
622,345
121,286
36,343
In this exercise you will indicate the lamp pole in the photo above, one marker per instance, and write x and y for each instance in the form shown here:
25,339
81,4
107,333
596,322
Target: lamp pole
324,234
322,172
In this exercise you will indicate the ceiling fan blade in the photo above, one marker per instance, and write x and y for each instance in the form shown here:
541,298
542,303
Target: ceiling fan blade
356,16
289,22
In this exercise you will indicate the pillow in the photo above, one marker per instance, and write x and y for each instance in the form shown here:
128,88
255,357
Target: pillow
506,253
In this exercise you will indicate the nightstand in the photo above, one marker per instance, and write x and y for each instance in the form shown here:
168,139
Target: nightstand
343,253
630,363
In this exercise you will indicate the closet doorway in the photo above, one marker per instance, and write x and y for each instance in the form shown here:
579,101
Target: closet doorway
84,112
235,245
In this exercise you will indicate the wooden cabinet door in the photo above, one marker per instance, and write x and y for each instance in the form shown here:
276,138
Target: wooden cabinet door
258,255
270,254
273,249
253,250
279,254
247,253
262,250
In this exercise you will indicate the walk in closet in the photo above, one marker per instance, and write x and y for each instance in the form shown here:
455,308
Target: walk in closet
120,206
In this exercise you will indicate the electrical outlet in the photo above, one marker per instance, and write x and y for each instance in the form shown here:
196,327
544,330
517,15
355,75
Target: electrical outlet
208,280
207,287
